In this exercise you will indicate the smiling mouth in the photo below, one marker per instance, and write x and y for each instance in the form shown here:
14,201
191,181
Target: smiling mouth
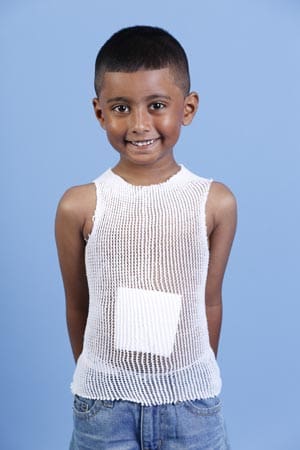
144,143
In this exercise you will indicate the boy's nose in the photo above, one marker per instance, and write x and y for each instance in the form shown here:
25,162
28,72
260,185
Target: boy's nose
140,121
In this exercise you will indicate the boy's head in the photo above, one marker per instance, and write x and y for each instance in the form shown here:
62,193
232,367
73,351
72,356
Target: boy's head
142,86
142,47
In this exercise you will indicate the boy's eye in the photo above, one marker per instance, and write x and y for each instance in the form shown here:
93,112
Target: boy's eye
157,105
120,108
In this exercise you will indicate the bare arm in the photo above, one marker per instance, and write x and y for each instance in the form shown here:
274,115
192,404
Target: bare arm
74,214
221,226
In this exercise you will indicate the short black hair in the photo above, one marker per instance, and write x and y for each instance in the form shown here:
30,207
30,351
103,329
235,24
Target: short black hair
142,47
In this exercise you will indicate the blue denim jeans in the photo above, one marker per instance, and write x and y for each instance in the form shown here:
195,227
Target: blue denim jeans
123,425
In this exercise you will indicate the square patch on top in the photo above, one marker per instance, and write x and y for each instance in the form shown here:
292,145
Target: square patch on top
146,321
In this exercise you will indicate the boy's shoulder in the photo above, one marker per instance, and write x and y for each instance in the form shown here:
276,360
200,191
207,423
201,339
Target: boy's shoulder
78,202
77,195
221,204
219,191
80,198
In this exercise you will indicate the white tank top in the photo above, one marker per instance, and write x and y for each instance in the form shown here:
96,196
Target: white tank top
146,338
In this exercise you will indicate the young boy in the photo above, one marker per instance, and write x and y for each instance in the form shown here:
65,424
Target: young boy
143,252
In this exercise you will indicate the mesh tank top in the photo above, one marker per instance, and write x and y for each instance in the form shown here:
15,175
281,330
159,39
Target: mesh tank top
146,338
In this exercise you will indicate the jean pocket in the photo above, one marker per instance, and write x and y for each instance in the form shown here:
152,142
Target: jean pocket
87,407
204,407
83,406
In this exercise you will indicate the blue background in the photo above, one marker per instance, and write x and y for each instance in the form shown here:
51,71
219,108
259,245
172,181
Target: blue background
245,64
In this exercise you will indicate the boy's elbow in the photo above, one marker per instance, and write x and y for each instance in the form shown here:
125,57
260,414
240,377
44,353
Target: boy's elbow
213,297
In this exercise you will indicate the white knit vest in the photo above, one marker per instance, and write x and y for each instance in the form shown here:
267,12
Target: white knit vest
146,338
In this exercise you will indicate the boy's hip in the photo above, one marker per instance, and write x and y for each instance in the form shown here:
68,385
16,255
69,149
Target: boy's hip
124,425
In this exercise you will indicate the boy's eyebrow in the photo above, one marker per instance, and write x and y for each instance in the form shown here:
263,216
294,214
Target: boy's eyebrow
147,98
117,99
154,96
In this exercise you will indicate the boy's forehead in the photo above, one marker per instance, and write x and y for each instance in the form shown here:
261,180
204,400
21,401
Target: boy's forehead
148,80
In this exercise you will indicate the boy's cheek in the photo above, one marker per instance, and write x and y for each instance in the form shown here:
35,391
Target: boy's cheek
167,123
171,126
112,128
106,122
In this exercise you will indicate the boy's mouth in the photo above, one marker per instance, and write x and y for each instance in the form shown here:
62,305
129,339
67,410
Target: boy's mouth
143,143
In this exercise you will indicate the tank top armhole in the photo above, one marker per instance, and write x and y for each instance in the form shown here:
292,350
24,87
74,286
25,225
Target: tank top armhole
95,213
204,205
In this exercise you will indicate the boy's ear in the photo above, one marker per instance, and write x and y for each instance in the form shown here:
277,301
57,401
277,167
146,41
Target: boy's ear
191,102
98,111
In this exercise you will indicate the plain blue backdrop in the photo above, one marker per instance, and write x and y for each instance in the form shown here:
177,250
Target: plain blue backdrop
245,64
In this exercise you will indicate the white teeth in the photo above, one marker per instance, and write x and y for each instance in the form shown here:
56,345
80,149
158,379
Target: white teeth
142,143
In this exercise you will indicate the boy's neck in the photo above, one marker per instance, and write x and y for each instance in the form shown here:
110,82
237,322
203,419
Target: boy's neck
145,175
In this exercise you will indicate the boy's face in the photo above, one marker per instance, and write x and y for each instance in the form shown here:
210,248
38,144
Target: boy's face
142,113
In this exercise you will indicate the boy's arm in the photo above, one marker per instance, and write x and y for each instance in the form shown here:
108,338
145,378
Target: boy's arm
221,213
71,220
